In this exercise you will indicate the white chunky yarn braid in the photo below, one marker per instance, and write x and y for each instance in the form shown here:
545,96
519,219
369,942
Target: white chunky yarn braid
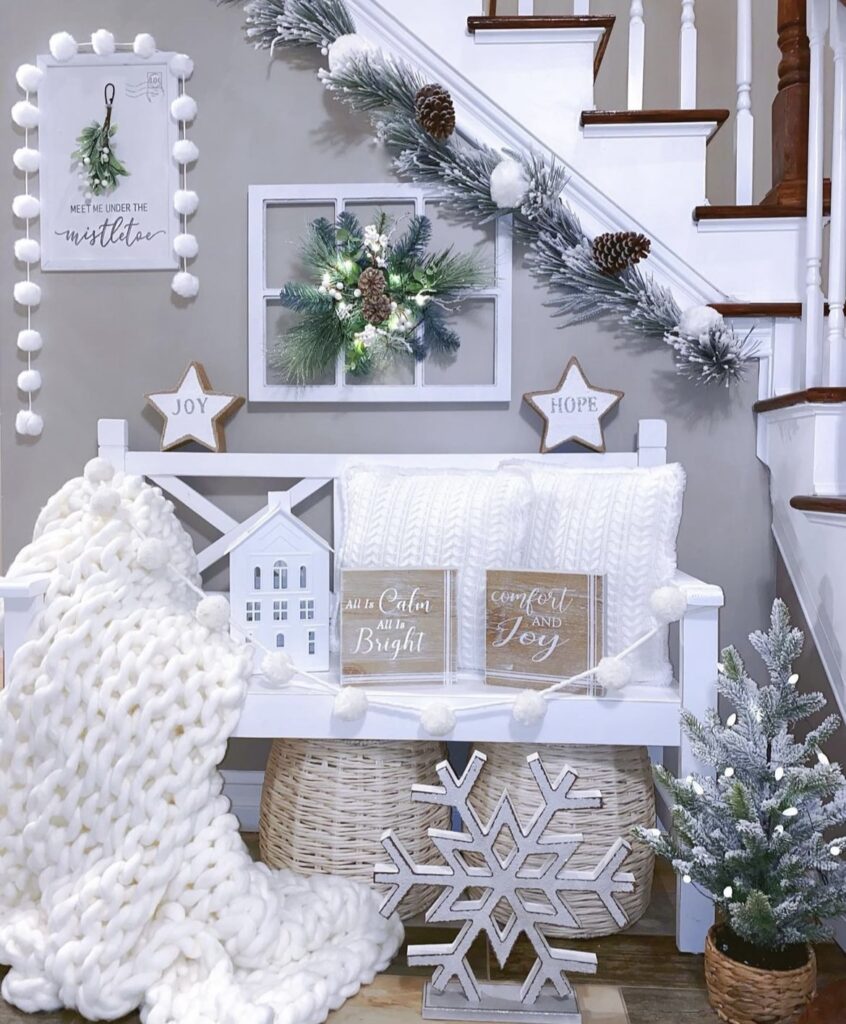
123,880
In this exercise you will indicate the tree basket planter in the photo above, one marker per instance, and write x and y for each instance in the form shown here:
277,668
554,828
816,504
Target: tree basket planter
741,994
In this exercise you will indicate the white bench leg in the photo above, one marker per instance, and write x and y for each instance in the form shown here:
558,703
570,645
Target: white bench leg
698,656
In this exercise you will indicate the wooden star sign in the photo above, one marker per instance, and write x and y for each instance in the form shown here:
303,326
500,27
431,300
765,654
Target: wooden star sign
193,412
574,410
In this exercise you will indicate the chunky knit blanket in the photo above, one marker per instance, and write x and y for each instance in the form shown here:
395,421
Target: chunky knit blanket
123,880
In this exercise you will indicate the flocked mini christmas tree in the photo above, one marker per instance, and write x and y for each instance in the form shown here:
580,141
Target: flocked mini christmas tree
763,836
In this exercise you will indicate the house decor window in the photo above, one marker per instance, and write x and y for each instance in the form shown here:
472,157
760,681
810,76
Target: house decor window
311,641
303,577
257,578
280,611
280,640
478,371
253,611
307,609
280,576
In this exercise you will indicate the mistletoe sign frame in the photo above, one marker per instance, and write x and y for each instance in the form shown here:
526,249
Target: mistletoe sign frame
264,288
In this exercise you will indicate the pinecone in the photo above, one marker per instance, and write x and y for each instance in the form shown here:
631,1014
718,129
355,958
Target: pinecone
616,251
435,111
372,283
376,309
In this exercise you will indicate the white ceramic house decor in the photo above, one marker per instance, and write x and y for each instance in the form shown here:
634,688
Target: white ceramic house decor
279,586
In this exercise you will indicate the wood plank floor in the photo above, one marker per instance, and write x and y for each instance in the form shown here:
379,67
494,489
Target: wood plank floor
640,969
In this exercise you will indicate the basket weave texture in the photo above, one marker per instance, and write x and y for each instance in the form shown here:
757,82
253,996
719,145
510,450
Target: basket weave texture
624,777
326,803
749,995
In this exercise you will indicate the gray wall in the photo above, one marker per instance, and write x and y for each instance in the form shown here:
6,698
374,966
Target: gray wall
110,339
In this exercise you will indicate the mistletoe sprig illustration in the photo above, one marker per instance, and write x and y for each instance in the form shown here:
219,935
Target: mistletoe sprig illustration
95,151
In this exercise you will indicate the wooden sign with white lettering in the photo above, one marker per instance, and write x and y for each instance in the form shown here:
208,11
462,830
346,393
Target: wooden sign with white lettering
397,625
542,627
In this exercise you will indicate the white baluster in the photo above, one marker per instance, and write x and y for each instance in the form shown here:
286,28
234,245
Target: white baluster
687,56
637,54
836,376
581,7
813,311
525,6
744,139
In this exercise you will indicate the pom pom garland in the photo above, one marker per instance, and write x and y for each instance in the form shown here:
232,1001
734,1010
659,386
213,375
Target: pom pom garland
152,554
277,668
183,108
63,46
185,285
27,159
668,604
29,381
26,207
185,202
347,48
27,293
29,341
185,151
529,708
103,42
213,612
27,250
185,246
105,501
25,114
509,184
28,77
438,719
98,471
613,673
351,704
28,423
699,321
182,66
144,45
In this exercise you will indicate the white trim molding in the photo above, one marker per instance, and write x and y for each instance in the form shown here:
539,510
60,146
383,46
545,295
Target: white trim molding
243,790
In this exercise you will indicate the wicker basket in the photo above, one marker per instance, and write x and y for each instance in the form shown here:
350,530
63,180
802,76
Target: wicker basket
623,776
325,804
749,995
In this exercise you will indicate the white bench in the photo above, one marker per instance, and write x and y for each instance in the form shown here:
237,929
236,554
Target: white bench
640,715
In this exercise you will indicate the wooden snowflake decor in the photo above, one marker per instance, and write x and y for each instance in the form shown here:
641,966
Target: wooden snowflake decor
531,877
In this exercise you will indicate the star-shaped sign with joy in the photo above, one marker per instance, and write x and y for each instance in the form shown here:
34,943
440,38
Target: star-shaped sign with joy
193,412
574,410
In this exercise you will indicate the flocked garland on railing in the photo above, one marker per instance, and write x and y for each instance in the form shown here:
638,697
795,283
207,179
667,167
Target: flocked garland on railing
416,119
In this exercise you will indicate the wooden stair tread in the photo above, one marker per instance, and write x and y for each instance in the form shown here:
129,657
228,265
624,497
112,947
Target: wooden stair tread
488,23
817,503
715,115
751,212
737,309
810,396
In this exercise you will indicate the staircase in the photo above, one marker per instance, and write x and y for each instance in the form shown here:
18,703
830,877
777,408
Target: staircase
526,81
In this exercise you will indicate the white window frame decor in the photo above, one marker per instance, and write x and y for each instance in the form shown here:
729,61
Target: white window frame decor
262,292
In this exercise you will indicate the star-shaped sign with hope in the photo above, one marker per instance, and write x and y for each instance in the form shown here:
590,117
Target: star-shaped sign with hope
194,412
574,410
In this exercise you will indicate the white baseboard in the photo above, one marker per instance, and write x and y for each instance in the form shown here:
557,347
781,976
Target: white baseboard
244,792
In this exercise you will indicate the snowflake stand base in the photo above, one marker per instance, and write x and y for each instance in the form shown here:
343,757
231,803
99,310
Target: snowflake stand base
500,1001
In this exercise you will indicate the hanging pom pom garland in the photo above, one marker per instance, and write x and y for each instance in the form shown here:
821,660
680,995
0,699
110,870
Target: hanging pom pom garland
101,169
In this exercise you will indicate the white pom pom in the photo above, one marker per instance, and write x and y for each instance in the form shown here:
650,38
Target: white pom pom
98,471
529,708
185,151
181,65
63,46
185,285
277,668
28,423
144,45
346,48
105,501
183,108
509,183
29,381
27,159
186,246
28,77
25,114
27,293
438,719
185,201
29,341
152,554
668,604
103,42
698,321
613,673
350,704
213,612
26,207
27,250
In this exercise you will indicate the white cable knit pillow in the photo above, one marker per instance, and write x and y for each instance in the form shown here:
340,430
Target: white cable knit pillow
444,519
623,524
